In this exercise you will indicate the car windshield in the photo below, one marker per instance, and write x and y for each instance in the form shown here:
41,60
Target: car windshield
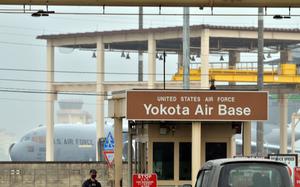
254,175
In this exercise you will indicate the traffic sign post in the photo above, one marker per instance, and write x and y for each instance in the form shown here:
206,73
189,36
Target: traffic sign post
109,142
109,146
144,180
109,157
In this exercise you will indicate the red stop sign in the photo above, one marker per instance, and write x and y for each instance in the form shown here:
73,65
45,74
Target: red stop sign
144,180
297,176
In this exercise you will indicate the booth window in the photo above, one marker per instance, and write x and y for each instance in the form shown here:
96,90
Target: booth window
163,160
185,161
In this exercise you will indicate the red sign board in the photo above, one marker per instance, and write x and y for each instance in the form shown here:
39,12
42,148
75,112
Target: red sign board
297,177
144,180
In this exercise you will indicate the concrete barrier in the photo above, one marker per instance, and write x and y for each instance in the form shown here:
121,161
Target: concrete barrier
55,174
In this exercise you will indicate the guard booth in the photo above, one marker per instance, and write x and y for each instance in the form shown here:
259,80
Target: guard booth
179,130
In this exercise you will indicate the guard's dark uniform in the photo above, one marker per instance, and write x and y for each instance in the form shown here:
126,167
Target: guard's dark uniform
90,183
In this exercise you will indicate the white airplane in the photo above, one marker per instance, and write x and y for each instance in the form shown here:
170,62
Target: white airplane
77,143
72,142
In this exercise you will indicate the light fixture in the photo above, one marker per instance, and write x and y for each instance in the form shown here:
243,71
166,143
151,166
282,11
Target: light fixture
40,13
161,57
277,17
163,130
173,129
127,56
192,58
221,58
157,56
269,55
281,17
123,54
94,55
36,14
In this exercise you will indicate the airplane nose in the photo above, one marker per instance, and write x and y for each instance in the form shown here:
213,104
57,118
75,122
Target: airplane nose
10,149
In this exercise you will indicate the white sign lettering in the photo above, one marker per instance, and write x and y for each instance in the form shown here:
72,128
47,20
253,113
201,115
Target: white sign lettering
166,110
233,111
203,111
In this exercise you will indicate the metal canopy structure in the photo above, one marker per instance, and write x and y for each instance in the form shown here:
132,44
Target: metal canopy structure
175,45
222,38
190,3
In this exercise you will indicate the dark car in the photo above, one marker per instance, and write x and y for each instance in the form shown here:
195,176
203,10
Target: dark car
243,173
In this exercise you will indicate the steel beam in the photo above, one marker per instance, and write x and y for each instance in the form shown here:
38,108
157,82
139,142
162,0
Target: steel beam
260,78
189,3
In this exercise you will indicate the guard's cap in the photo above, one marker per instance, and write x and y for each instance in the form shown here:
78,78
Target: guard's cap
93,171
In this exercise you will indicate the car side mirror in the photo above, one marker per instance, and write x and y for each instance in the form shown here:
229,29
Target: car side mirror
187,185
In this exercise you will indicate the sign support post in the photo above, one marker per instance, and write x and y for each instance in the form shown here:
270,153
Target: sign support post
109,146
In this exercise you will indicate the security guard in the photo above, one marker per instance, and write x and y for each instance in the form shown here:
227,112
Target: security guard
92,182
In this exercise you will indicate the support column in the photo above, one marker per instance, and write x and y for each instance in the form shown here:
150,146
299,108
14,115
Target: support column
144,158
176,161
151,61
286,56
141,140
136,157
196,150
260,78
118,151
247,138
50,103
186,48
293,126
179,61
283,123
140,66
129,153
234,58
205,59
140,57
150,157
100,95
233,147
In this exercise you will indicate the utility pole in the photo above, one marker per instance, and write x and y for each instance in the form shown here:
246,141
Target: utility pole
139,146
129,153
140,57
260,78
164,69
186,48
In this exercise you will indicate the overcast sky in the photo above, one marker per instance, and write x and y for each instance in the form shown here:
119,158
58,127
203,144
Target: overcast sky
20,49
